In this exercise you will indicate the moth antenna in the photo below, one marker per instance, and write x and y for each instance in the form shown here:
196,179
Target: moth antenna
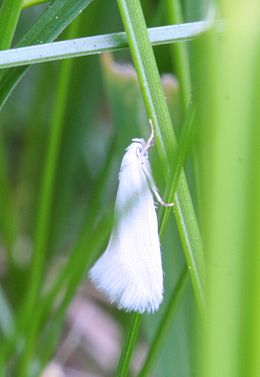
150,141
149,144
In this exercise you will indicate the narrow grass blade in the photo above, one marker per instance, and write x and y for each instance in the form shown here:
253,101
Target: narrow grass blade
179,53
97,44
129,345
178,161
44,209
9,15
48,27
81,256
88,244
69,280
30,3
53,21
149,80
7,218
3,372
165,323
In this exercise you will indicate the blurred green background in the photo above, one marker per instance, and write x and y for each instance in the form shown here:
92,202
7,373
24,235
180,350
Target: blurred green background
63,133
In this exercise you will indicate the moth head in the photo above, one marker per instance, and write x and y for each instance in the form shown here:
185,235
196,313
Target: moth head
135,151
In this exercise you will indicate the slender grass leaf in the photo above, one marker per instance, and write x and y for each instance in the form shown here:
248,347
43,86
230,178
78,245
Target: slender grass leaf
97,44
9,15
149,80
87,245
44,210
179,53
7,218
165,323
129,345
178,161
30,3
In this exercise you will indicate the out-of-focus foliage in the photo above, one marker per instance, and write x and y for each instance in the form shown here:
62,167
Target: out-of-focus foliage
63,133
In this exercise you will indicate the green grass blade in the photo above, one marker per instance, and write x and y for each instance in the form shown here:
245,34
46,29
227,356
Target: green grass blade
148,76
191,240
90,241
157,110
48,27
81,256
127,123
129,345
30,3
69,280
228,125
96,44
7,219
3,367
165,323
178,161
53,21
44,209
179,53
9,15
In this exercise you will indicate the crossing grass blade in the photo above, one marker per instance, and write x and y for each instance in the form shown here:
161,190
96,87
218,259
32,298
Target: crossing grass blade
129,345
165,323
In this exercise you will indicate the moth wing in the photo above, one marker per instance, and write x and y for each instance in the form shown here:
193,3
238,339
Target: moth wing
130,272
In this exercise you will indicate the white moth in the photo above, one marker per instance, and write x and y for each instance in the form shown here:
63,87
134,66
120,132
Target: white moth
129,272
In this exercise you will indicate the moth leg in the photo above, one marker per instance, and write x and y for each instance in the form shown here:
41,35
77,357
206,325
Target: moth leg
154,188
150,141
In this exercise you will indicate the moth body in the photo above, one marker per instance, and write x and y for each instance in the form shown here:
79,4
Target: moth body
129,272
